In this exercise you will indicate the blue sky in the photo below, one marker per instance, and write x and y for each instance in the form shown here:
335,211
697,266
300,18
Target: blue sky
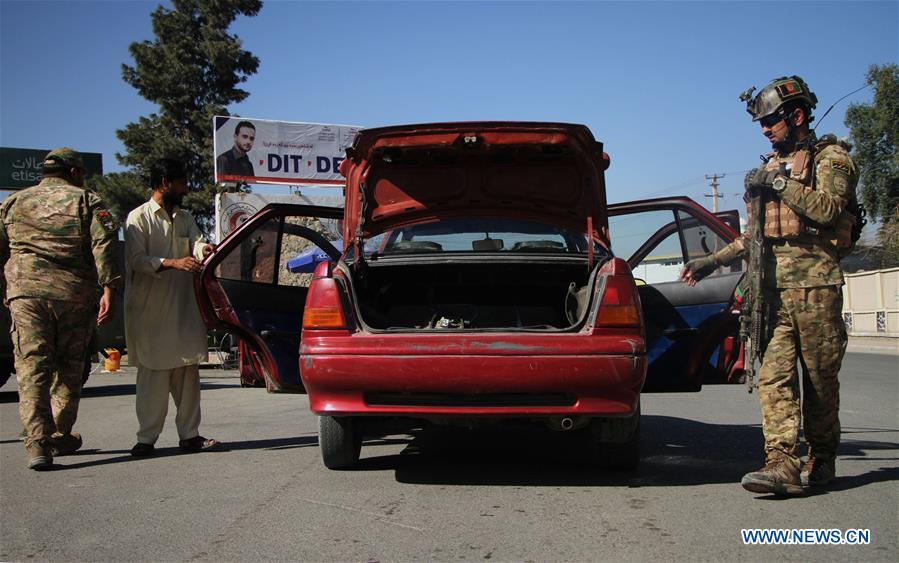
657,82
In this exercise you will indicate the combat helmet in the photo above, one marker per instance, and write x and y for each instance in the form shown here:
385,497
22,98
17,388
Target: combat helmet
780,92
63,157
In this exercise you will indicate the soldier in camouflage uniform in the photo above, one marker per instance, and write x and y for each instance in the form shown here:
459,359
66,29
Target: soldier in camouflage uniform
57,247
810,192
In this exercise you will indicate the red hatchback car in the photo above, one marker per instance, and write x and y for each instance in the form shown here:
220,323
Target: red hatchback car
483,277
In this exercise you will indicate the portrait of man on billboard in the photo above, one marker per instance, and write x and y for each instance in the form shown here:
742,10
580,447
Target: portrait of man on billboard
235,162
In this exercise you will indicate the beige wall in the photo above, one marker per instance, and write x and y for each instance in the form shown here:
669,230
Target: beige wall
871,303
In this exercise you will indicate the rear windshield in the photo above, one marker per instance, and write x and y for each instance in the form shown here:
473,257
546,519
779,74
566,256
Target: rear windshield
478,235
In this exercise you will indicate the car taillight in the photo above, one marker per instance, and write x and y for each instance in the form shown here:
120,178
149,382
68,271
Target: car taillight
620,304
323,317
323,306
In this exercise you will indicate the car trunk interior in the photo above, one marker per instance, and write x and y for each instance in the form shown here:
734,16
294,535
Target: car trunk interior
471,295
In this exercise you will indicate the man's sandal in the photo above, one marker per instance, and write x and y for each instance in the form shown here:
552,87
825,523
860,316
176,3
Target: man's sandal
198,444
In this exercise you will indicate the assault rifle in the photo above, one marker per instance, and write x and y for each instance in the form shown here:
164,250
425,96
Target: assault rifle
755,327
752,318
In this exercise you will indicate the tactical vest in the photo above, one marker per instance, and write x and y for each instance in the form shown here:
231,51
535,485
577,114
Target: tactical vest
782,223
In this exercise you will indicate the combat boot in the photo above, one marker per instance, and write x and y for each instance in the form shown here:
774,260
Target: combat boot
779,476
818,471
65,444
39,457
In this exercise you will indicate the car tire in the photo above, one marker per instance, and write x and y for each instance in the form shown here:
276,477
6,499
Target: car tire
340,441
621,457
617,442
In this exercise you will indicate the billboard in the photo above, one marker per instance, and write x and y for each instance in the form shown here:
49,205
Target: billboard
261,151
21,168
233,209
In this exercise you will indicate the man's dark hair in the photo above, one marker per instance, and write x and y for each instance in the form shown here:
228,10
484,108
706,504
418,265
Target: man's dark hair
243,124
789,107
166,168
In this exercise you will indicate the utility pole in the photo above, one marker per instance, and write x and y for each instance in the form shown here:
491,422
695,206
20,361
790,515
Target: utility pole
714,195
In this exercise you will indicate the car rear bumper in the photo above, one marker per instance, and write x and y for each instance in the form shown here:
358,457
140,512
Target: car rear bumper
473,385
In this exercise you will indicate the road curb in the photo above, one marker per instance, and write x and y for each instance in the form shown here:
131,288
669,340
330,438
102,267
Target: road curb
873,345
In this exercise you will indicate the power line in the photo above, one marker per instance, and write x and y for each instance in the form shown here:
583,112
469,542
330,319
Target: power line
691,182
680,186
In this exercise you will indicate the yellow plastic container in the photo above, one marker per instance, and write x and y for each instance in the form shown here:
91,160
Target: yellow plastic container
113,359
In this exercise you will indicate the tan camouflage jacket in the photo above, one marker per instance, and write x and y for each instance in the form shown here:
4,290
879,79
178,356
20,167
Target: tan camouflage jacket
57,241
809,260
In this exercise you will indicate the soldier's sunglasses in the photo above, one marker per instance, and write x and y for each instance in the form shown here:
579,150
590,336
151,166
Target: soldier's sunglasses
770,120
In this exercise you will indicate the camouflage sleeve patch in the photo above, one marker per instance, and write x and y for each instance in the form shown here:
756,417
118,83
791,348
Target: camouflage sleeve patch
840,165
106,220
836,173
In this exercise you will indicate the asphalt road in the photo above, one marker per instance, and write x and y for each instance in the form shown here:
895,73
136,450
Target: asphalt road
516,495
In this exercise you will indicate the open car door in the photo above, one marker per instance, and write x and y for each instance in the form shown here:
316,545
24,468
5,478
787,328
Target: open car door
254,286
692,333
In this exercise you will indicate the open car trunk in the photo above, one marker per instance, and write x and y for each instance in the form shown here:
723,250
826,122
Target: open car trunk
470,295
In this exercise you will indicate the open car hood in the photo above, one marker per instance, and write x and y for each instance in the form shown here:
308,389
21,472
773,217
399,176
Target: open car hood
545,172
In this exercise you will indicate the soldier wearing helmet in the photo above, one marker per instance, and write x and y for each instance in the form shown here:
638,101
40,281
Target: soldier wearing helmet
58,252
775,108
808,186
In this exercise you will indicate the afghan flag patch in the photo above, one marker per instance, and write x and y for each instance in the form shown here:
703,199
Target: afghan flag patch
789,89
106,219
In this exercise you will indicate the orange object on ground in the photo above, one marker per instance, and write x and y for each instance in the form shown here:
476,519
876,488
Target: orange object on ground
113,359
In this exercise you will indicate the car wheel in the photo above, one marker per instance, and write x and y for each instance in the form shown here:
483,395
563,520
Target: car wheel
621,457
340,441
617,442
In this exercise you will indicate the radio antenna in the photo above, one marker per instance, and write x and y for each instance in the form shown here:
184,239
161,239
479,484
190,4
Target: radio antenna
836,102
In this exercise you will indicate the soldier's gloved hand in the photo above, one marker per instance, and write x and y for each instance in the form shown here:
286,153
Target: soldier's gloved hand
695,270
747,180
761,179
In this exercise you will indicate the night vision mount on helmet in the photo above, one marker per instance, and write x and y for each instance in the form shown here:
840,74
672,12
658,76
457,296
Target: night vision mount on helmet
780,92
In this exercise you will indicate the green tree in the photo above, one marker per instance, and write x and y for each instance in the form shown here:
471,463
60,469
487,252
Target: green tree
191,70
121,191
874,130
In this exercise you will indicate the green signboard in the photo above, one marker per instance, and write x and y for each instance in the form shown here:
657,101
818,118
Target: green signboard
21,168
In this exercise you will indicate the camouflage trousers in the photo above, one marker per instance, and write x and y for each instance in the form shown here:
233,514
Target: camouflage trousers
808,327
50,340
